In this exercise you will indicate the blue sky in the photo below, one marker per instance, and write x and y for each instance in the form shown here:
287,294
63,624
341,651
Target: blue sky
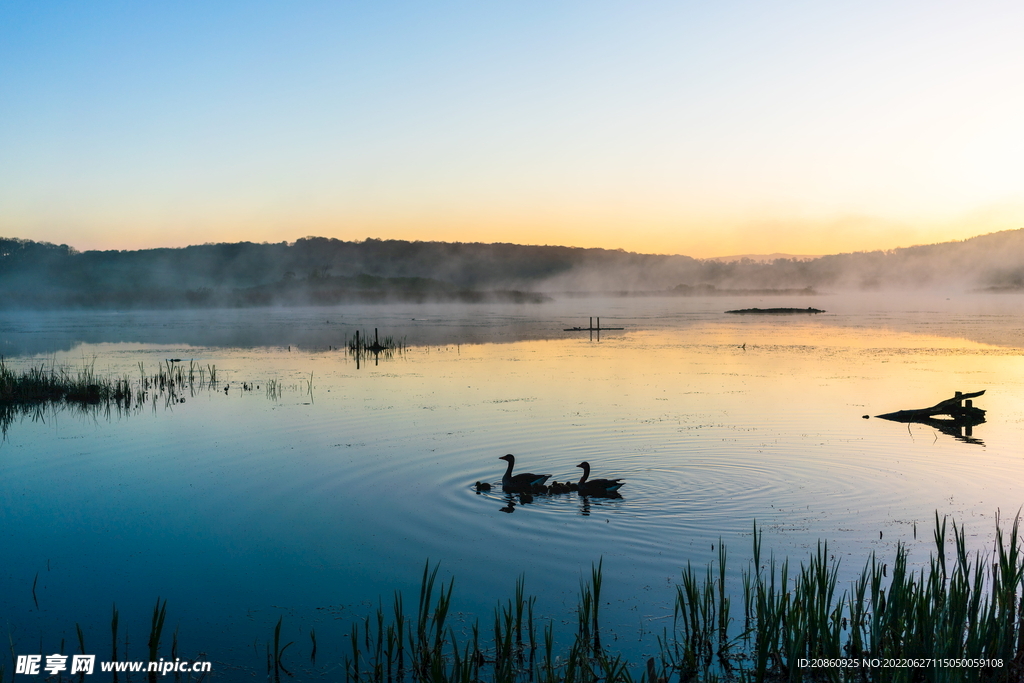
698,128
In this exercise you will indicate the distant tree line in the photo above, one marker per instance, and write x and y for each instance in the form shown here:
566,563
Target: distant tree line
324,270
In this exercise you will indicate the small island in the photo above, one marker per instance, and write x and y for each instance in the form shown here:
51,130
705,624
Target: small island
775,311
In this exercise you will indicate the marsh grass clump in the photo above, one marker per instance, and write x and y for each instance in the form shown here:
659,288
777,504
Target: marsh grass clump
41,391
361,343
33,392
971,608
57,383
360,348
425,647
433,651
956,608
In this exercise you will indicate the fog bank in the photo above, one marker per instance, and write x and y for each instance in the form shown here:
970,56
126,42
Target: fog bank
322,271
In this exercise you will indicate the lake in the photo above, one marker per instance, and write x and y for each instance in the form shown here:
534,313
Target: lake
317,500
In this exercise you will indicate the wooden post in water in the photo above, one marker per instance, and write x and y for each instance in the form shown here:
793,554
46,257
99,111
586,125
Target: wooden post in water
965,430
375,342
598,323
591,322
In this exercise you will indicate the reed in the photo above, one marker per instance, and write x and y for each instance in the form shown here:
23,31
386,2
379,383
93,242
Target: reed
969,610
155,631
279,652
113,637
428,649
34,392
56,383
955,607
359,347
273,390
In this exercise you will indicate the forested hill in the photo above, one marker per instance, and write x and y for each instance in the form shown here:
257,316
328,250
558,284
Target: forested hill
322,270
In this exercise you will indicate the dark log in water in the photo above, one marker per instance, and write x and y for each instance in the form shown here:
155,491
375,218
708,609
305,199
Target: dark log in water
954,407
775,311
960,416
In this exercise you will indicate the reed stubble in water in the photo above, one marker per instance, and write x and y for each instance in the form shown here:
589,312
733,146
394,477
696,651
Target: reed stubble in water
959,619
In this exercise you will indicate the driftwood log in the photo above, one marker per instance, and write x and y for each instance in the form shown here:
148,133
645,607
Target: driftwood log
959,417
953,407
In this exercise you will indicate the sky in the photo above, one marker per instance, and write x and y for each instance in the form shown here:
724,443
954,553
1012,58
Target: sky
706,129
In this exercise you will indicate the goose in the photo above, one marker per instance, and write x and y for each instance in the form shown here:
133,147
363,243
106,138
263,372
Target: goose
520,482
596,486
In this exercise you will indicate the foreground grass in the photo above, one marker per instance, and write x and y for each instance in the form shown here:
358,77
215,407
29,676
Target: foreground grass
959,618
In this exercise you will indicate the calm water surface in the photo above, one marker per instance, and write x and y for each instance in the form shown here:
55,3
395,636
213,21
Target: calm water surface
239,507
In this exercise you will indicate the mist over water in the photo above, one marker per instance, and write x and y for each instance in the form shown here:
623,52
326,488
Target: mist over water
986,318
322,271
239,507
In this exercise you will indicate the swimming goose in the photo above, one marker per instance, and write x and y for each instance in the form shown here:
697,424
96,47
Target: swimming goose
596,486
520,482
